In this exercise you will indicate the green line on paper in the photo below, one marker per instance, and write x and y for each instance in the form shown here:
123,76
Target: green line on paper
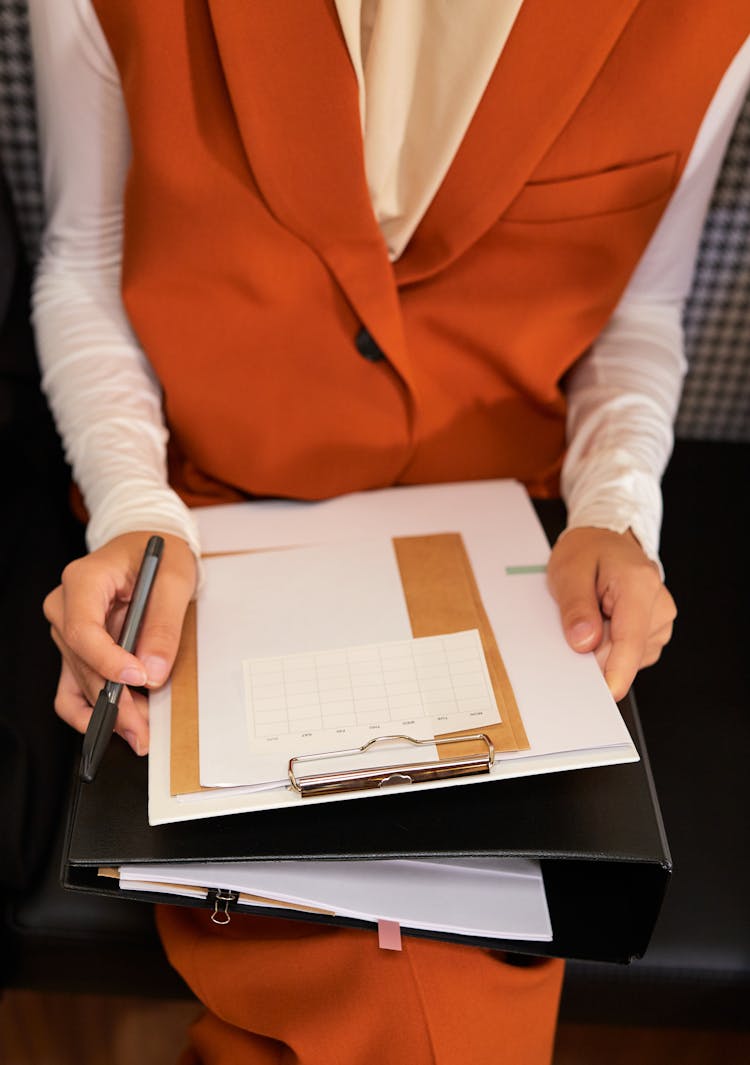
516,571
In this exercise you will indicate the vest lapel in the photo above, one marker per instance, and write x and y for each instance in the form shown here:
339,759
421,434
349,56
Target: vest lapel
553,54
294,95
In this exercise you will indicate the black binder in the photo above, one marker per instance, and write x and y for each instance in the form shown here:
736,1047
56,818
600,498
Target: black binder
597,832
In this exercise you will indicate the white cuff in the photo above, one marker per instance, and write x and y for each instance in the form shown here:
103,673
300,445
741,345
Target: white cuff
612,493
137,505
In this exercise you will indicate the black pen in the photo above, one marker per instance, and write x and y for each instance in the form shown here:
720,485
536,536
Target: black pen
102,721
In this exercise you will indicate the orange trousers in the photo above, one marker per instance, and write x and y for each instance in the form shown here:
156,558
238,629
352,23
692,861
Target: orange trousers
280,992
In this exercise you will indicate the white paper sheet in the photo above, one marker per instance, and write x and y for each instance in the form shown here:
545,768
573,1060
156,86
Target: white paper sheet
303,600
493,897
569,715
323,701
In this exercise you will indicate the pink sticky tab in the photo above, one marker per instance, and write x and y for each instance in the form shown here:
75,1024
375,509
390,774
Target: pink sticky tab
389,935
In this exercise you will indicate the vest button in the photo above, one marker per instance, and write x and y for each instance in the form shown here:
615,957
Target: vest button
367,347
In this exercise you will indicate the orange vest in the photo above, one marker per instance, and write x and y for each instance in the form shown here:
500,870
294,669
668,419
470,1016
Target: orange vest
254,270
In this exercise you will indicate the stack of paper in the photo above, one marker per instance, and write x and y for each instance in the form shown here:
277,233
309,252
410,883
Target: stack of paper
488,897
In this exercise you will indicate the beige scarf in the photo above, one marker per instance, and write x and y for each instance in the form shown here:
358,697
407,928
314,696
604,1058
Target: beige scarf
422,67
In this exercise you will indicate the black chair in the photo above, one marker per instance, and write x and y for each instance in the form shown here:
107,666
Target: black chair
37,536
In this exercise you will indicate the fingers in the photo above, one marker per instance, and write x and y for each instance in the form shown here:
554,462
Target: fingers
641,612
95,590
641,626
132,720
630,627
70,702
86,613
660,638
162,626
571,578
602,652
606,572
79,610
88,682
74,707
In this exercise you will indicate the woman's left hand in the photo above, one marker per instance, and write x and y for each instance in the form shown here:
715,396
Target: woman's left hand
612,601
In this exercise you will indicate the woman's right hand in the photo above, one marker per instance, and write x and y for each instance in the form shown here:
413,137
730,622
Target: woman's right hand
86,612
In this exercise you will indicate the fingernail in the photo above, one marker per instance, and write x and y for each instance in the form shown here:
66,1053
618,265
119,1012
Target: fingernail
133,676
157,671
132,739
581,633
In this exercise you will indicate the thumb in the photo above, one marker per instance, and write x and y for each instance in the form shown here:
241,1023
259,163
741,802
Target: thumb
571,578
162,625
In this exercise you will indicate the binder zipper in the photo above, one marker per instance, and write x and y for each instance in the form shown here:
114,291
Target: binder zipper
222,900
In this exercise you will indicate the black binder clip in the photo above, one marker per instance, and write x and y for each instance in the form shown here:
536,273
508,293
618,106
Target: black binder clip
387,776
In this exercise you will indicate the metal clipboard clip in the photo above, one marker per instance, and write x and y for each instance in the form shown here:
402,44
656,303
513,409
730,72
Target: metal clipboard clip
385,776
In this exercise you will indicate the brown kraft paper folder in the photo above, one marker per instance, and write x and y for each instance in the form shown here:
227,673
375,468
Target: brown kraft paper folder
442,597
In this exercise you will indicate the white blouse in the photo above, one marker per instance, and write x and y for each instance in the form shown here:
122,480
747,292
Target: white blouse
622,395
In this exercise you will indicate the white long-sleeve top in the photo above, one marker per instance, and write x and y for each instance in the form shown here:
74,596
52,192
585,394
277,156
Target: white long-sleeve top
622,395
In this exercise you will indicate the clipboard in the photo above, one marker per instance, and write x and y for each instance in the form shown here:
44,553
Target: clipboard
442,597
569,715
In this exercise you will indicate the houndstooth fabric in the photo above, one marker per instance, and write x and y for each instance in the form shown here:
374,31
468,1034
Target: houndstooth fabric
18,150
716,400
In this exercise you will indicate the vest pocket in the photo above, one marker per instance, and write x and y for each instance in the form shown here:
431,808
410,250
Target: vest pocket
619,188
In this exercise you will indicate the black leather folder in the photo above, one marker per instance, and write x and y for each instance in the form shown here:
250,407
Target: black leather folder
597,832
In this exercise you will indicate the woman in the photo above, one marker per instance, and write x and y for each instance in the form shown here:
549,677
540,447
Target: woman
363,243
